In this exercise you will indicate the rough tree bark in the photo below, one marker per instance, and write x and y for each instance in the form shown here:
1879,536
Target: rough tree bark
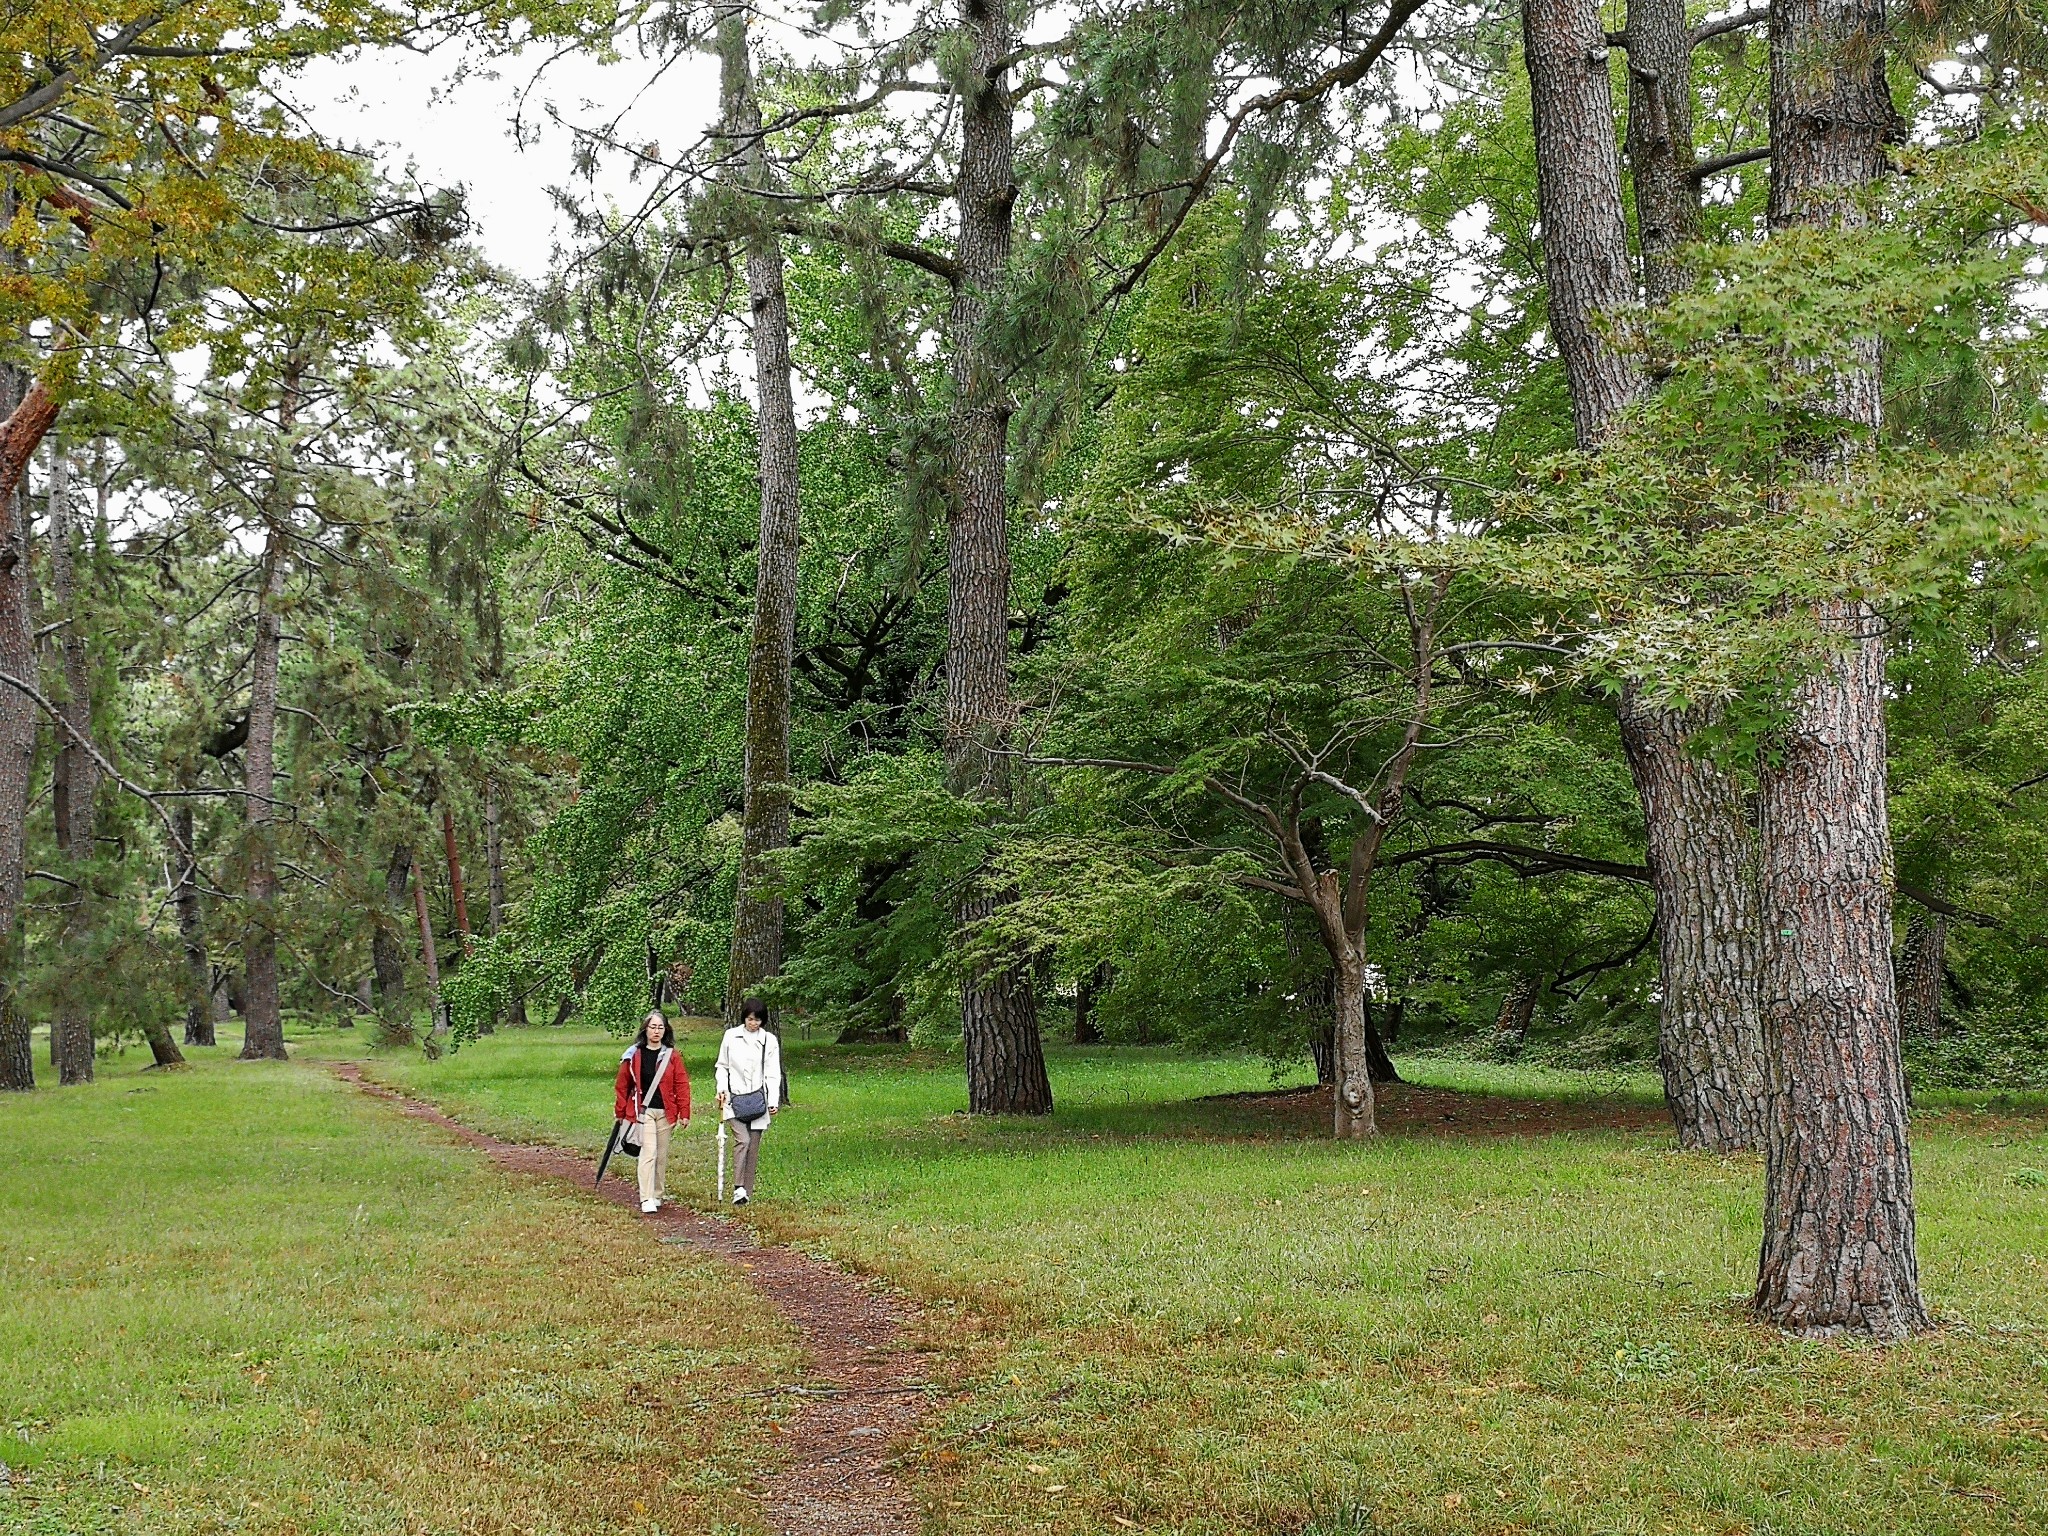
75,776
1709,1040
1660,147
999,1012
1703,870
764,814
1919,976
262,1021
17,753
1838,1248
192,937
1586,267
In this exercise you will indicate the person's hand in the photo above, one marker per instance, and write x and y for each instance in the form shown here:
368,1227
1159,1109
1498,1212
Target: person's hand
721,1101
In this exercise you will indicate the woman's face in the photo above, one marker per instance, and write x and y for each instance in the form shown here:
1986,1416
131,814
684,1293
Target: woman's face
657,1031
752,1021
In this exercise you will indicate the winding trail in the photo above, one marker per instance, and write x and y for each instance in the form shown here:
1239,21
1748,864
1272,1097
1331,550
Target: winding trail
863,1391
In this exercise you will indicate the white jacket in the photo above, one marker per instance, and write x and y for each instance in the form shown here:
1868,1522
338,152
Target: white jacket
749,1059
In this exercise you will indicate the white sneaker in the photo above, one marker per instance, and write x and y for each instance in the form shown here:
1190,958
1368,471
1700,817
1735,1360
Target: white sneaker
649,1207
739,1197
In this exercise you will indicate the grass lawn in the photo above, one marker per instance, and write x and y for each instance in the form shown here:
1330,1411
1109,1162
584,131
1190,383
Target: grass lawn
1175,1313
246,1298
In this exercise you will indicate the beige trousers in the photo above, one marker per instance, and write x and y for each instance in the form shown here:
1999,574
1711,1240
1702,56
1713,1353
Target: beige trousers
654,1134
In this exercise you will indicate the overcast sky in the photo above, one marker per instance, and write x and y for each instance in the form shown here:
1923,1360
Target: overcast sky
415,112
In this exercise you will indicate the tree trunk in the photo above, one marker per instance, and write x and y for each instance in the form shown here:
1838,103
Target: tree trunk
1353,1092
764,815
998,1005
17,1050
1660,147
262,1021
1511,1024
1701,852
494,857
163,1049
192,936
1838,1249
17,753
1377,1061
428,958
1086,995
1586,263
1322,1044
74,776
1703,870
387,956
1919,976
455,883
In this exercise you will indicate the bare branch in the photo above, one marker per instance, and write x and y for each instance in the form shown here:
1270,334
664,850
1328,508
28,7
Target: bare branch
1728,162
1725,24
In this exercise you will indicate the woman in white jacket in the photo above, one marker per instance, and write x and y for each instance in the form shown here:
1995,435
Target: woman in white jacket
749,1088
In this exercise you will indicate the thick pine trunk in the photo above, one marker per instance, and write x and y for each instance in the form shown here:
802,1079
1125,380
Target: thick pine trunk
1586,263
1701,853
261,1017
1703,869
75,776
764,815
1839,1249
999,1014
17,1050
17,753
1660,147
1352,1097
192,937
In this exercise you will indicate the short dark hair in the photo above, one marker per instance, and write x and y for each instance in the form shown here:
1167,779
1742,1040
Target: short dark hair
755,1008
668,1030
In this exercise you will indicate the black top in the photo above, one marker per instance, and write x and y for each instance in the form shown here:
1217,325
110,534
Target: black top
650,1090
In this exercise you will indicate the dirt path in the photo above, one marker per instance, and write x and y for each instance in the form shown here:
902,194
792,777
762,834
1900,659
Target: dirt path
863,1389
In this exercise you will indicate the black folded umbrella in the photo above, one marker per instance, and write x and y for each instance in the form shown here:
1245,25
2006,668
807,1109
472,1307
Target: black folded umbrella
609,1148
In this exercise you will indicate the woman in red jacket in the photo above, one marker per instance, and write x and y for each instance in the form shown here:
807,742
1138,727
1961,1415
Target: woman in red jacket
653,1090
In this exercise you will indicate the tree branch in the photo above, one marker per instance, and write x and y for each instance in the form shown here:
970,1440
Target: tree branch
1726,24
1728,162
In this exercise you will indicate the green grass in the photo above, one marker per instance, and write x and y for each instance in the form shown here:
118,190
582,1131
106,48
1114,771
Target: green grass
247,1298
1168,1312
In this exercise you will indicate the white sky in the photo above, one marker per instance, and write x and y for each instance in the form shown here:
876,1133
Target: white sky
415,112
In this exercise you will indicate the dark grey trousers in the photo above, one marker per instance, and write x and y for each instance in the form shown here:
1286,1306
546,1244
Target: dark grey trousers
746,1153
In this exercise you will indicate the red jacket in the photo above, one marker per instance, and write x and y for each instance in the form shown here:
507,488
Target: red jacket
674,1086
